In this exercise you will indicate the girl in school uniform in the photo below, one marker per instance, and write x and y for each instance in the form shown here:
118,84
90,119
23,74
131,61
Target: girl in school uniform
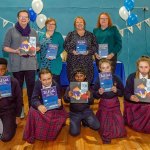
136,113
43,124
109,114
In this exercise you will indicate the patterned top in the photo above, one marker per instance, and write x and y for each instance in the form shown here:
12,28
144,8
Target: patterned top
85,61
54,65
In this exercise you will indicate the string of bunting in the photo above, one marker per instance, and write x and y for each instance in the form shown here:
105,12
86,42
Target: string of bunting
130,28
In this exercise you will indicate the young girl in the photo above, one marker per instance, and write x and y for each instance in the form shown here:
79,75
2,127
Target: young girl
137,114
80,112
109,114
43,124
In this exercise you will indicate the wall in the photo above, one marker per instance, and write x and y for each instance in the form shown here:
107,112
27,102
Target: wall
64,11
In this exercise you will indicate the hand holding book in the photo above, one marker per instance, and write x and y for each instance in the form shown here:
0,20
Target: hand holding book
42,109
134,98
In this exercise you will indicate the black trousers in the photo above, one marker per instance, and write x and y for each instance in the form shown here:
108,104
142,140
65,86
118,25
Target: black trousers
29,77
9,126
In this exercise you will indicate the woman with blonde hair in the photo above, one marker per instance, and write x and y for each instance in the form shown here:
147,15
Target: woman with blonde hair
136,113
75,59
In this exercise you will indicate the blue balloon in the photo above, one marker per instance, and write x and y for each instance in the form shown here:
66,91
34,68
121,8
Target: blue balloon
32,14
132,19
129,4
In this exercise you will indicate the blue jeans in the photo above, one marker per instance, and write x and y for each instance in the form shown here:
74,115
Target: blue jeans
87,116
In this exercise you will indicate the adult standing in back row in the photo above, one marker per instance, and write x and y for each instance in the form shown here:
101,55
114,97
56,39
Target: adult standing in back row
107,33
74,58
22,67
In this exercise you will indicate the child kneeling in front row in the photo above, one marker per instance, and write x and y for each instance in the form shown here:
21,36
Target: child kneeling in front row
109,114
43,124
80,112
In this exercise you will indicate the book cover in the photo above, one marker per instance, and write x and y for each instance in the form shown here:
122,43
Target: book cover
50,97
142,89
28,46
52,51
5,86
79,90
103,50
106,81
32,46
81,46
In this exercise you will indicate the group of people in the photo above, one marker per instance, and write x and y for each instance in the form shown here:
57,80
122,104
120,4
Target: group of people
43,124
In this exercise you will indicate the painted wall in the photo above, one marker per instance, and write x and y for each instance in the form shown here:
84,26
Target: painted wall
64,11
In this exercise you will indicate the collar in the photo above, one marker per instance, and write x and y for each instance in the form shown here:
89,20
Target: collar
141,76
45,87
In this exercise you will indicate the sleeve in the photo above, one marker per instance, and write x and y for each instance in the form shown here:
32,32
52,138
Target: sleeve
68,45
117,41
91,98
35,100
119,86
61,43
129,88
7,39
96,88
94,45
66,97
18,97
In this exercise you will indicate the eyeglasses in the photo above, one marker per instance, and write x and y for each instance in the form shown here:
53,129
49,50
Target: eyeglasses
23,17
53,24
103,18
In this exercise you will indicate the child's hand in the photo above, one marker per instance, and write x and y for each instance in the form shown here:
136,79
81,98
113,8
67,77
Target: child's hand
70,94
88,93
42,109
59,102
101,91
114,89
134,98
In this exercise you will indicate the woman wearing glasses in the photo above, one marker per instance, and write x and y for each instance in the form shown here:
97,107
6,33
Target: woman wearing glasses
108,38
51,48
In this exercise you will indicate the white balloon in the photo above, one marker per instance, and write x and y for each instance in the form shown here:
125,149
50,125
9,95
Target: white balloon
40,20
123,13
37,6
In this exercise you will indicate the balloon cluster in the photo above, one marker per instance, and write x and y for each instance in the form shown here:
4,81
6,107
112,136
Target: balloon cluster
34,12
125,13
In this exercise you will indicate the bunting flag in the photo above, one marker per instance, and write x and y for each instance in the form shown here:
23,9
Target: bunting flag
130,29
148,21
5,22
139,25
121,32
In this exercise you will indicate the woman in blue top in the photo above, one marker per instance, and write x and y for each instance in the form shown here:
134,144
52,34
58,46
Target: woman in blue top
108,34
56,40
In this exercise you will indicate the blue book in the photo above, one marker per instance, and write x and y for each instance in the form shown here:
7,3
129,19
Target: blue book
103,50
79,91
81,46
52,51
50,97
5,86
142,89
106,81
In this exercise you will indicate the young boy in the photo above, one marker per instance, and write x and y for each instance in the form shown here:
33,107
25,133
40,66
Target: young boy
10,107
80,112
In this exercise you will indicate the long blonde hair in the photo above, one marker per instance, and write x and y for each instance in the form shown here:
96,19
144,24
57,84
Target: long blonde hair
145,59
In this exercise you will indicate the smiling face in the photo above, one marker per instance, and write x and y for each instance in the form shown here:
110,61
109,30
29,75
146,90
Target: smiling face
103,21
105,67
23,19
80,77
144,68
51,26
3,69
79,24
46,79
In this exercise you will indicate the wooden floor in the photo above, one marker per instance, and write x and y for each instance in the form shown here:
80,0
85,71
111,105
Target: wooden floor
87,140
